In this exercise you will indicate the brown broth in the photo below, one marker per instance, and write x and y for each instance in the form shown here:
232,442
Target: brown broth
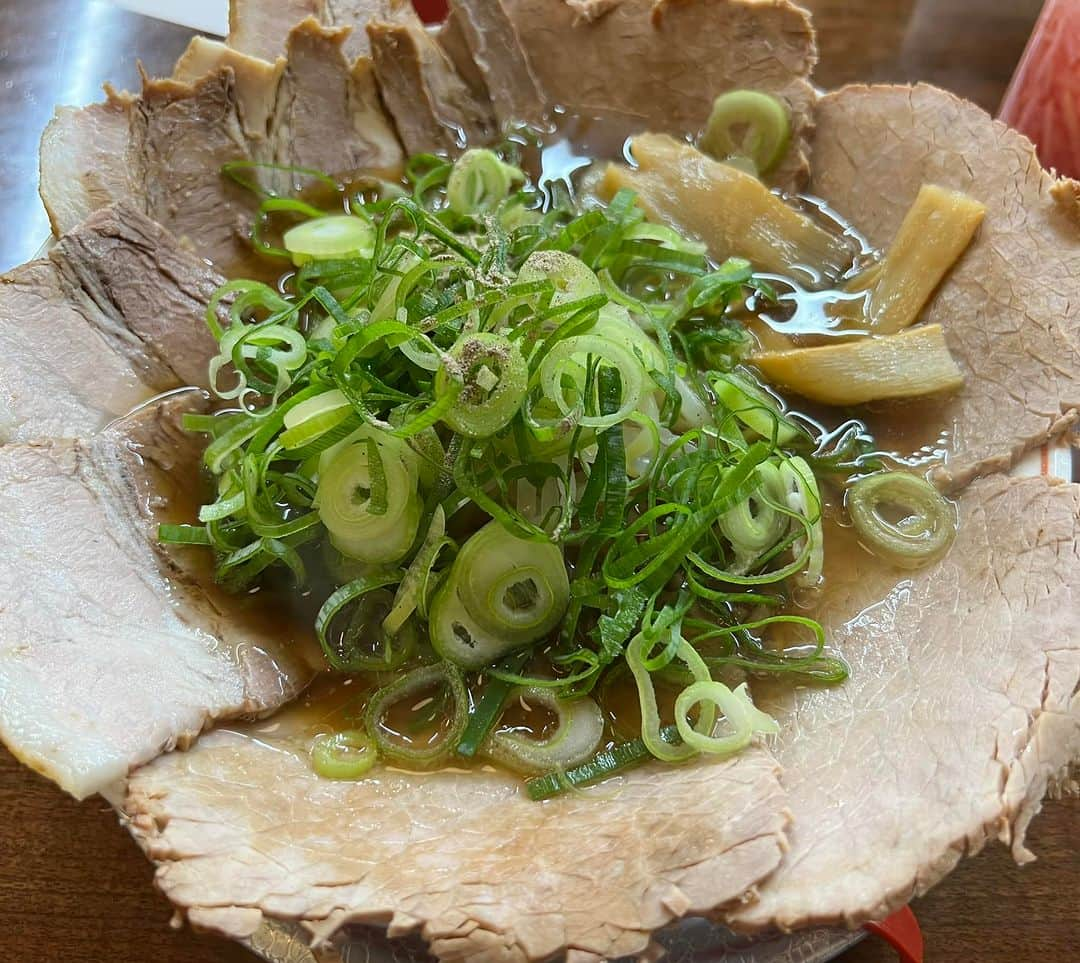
332,703
272,612
527,719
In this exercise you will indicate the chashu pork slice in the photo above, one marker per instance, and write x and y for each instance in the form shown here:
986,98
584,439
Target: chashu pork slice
171,141
452,39
496,49
60,375
256,81
114,314
79,169
328,114
658,62
288,106
355,14
259,27
110,652
165,150
242,831
147,293
432,105
962,705
1011,306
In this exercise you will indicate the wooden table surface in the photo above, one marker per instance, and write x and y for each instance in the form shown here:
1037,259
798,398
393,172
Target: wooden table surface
74,889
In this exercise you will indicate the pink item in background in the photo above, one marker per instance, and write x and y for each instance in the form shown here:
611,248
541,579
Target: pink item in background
1043,100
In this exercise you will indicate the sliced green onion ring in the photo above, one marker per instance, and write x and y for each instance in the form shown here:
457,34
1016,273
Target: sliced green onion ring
411,684
641,441
567,359
693,412
755,408
336,236
457,638
925,529
572,277
319,421
579,729
737,708
510,586
274,346
399,263
636,658
757,523
493,378
347,503
479,181
614,322
349,754
804,497
748,125
372,647
502,593
411,586
354,591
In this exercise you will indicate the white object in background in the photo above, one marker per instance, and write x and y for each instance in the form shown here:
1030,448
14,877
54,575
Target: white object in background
1054,460
209,16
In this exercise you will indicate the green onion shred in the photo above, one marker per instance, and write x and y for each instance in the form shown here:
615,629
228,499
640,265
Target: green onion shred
901,517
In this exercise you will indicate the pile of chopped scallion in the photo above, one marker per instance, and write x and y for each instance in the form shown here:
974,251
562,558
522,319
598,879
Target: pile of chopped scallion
514,434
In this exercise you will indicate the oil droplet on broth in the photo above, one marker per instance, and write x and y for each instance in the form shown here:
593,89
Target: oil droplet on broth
801,317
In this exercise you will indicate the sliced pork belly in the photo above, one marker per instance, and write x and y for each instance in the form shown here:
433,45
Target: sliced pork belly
1009,309
287,107
660,63
258,28
182,135
144,291
112,316
515,90
108,654
60,376
432,107
328,113
452,39
79,166
256,82
241,827
356,14
314,111
963,701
